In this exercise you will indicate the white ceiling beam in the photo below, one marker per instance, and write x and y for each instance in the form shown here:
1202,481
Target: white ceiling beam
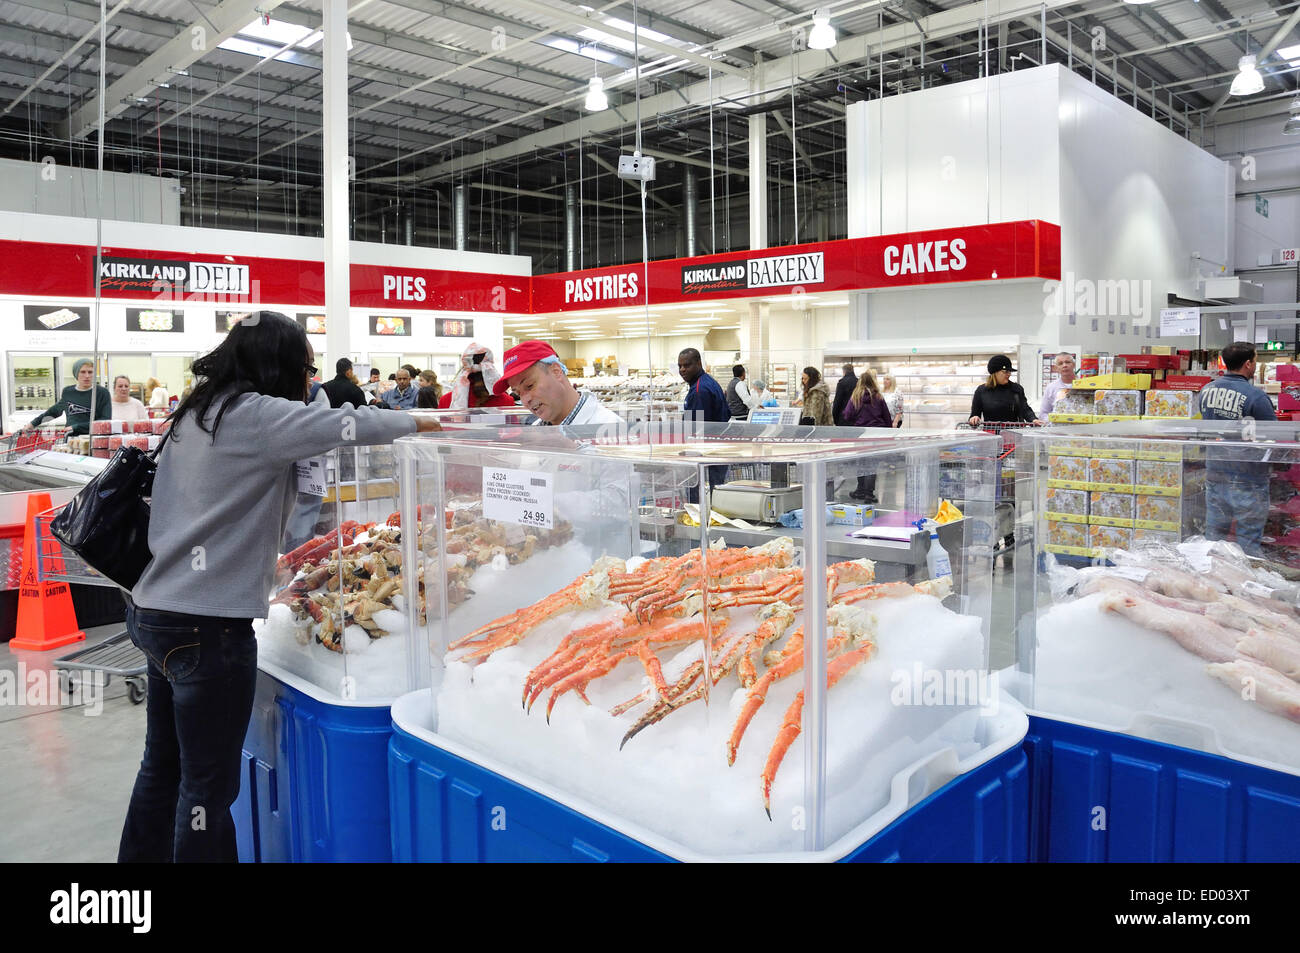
215,26
1274,42
806,64
67,54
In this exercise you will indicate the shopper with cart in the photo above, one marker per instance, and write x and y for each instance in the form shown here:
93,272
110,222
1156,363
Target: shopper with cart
74,402
224,487
998,400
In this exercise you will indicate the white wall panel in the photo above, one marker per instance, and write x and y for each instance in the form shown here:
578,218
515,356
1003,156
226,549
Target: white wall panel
52,189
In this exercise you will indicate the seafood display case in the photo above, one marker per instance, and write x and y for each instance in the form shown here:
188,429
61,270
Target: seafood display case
723,693
1164,602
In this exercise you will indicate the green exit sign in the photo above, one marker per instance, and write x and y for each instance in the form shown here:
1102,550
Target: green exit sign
1275,346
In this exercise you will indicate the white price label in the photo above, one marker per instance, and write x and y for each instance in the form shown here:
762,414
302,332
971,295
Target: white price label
518,496
1180,321
311,476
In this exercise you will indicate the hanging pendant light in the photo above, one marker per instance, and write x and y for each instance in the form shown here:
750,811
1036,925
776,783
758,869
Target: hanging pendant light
597,100
1247,81
1292,127
822,35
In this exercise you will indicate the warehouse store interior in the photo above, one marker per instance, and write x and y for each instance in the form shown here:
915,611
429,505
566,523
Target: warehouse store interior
1100,197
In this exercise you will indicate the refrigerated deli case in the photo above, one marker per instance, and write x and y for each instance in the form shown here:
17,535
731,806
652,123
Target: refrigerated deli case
653,691
1161,662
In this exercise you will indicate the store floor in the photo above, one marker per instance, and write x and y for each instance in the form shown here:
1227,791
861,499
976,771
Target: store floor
66,770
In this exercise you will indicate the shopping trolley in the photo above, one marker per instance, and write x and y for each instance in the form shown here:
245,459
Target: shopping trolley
116,655
1004,486
22,442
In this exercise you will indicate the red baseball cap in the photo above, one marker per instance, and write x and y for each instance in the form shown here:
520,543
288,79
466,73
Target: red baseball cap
518,359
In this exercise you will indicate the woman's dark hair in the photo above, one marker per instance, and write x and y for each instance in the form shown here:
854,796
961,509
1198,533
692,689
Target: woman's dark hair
814,378
427,398
265,353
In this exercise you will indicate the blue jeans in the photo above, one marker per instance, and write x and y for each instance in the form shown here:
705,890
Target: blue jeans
1245,501
202,673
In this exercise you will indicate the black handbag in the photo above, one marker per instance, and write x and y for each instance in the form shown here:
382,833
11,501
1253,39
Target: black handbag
107,523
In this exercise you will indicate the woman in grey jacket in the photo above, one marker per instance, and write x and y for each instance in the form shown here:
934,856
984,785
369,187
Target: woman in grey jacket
224,489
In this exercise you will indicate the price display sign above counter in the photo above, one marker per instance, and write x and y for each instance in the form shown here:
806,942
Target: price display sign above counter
518,496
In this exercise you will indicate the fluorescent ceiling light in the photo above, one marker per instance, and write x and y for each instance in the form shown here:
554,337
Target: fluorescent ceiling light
617,42
1292,127
1247,81
822,35
831,304
714,311
277,31
597,100
262,40
1138,3
1290,53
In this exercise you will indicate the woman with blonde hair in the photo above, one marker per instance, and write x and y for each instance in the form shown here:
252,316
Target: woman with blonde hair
155,393
867,408
893,397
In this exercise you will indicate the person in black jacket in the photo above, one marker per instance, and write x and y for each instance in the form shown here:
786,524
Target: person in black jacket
999,400
74,403
343,388
843,393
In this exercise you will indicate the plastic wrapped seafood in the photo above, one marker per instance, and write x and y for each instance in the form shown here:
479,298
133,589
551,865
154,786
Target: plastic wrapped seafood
1111,505
1070,502
1118,403
1067,468
1110,471
1170,403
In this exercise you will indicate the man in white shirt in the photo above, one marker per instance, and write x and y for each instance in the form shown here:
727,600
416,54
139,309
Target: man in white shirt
126,407
1064,366
533,371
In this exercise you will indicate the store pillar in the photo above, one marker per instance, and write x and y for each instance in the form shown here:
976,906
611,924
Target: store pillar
859,316
334,81
754,337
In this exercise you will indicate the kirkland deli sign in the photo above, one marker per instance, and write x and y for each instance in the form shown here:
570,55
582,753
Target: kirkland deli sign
775,272
155,276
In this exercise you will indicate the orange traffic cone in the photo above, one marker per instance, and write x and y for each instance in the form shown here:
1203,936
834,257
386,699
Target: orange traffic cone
46,619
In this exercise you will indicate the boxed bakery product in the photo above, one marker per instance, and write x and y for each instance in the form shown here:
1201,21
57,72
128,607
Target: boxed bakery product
1104,504
160,424
1159,509
138,440
1164,474
1118,403
100,427
99,442
1074,469
1074,402
1171,403
114,443
1109,471
1070,446
141,426
1066,502
1110,537
1168,537
1060,533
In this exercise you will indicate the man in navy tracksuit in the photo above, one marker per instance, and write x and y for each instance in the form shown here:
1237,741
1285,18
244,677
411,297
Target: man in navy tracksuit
1236,479
705,402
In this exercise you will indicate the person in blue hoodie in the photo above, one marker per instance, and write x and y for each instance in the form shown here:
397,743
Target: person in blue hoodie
1236,478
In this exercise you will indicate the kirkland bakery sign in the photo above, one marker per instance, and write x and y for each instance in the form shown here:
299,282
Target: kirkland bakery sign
775,272
153,276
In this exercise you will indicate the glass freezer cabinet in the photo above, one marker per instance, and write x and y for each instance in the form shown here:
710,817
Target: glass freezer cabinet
1162,599
732,685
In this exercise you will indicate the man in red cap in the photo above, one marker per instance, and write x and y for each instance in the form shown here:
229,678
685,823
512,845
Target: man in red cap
533,371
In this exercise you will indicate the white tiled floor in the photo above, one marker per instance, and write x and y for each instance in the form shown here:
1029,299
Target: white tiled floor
65,771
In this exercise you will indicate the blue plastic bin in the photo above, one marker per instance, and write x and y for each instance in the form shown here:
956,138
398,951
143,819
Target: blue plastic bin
446,807
314,779
1103,796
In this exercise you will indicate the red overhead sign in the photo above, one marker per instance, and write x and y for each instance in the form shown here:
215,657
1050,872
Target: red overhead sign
1000,252
40,269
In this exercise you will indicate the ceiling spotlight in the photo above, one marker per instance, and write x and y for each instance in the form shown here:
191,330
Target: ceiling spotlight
1292,127
597,100
822,34
1247,81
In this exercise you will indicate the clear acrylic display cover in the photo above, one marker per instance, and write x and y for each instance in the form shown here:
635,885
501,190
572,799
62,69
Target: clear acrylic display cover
585,633
352,649
1163,598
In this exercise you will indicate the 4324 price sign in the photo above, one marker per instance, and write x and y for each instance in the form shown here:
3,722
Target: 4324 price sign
518,496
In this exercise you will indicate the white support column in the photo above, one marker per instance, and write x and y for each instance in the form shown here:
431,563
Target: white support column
859,315
758,181
338,284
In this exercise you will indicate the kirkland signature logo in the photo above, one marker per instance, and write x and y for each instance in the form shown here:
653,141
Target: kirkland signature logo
156,276
774,272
